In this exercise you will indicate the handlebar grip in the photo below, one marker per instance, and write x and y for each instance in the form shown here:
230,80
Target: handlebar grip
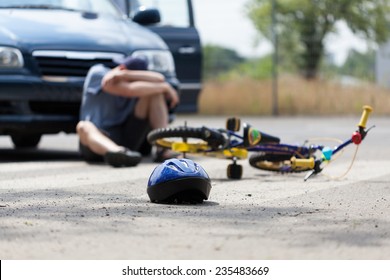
302,162
366,112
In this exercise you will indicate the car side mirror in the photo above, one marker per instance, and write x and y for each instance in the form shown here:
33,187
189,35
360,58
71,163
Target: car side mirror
147,17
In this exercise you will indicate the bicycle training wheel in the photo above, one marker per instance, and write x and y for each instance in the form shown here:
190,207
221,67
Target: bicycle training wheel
274,162
202,138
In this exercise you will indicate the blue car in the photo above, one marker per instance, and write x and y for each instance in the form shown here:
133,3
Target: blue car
47,47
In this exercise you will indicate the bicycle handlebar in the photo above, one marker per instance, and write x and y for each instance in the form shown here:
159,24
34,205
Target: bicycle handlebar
366,112
357,138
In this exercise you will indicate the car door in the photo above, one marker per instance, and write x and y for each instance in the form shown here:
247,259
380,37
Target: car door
178,30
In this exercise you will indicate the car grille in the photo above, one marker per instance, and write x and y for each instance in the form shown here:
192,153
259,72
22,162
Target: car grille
55,108
71,64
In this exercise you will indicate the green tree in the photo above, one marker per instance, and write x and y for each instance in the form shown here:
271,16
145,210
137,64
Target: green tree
302,25
360,65
255,68
217,59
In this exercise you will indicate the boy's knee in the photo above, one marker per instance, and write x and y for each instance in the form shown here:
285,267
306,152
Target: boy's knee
83,127
80,127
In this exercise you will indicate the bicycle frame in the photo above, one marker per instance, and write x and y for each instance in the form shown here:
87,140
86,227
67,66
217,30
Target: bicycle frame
303,158
237,146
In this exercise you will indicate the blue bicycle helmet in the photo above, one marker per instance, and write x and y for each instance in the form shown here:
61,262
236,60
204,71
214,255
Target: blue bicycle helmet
180,181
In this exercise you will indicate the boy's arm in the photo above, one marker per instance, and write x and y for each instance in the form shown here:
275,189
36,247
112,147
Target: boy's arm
142,89
138,75
119,74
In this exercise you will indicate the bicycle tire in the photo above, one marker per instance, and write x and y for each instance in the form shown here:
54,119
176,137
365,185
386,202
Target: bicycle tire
214,139
274,162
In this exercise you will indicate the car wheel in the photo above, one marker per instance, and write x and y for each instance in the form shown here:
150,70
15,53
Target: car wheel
26,140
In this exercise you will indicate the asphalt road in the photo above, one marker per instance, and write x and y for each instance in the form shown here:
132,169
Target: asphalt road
55,206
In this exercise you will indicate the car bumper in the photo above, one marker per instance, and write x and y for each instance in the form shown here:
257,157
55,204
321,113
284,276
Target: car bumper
37,124
25,88
30,104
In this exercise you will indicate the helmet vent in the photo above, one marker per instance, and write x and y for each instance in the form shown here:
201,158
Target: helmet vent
185,163
172,166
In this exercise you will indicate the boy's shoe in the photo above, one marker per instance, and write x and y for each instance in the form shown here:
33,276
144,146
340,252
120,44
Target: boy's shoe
124,158
163,154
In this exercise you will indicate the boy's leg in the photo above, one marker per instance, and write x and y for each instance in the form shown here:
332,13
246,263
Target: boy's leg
88,155
94,140
135,131
149,113
155,110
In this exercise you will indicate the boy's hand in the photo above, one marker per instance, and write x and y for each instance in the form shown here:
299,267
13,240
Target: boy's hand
112,77
171,95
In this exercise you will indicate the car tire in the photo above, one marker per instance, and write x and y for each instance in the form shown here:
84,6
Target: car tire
26,140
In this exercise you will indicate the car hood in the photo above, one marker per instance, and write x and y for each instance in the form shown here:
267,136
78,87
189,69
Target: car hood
31,30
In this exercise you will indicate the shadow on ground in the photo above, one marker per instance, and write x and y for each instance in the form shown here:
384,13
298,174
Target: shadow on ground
23,155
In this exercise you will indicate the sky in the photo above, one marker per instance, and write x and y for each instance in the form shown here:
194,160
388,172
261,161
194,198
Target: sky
224,22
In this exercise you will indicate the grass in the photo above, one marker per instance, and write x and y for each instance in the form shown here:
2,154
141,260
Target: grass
296,96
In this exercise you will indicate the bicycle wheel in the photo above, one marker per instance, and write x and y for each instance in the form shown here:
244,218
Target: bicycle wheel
274,162
203,138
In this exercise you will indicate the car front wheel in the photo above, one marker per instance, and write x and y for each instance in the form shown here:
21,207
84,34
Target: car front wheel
26,140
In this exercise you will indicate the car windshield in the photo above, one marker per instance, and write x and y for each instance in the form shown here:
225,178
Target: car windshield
93,6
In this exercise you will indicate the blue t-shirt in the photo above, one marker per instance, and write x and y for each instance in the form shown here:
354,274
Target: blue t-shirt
103,109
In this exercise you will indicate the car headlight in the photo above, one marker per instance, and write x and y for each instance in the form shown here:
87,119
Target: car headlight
10,58
159,61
